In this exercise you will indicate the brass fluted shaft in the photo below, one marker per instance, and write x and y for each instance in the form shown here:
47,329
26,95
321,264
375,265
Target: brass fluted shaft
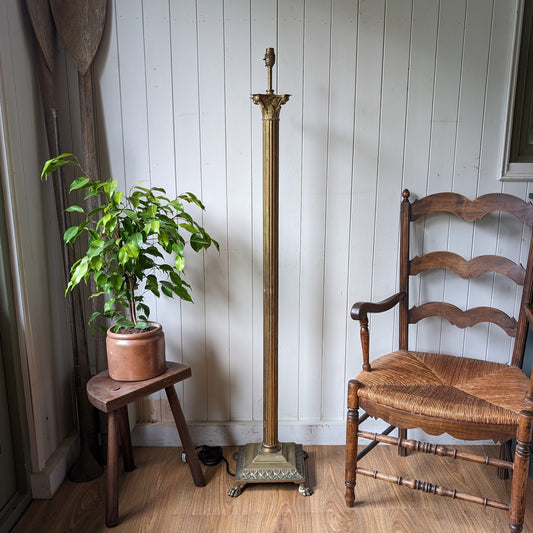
270,107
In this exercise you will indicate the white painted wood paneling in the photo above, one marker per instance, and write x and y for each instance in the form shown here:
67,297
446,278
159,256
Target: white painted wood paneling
316,90
188,176
338,199
369,57
385,94
239,193
290,53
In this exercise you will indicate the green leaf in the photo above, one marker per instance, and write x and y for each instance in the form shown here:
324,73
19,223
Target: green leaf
74,209
151,281
116,282
117,197
199,241
178,247
71,234
152,227
152,250
110,187
189,227
127,252
80,271
53,164
166,289
95,248
182,293
143,308
176,280
97,263
79,183
191,198
180,263
137,240
94,211
131,214
94,316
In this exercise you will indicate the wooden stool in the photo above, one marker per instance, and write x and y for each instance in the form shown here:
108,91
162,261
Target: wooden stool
112,397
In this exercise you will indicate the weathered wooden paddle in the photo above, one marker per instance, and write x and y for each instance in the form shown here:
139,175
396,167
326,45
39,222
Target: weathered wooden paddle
80,23
87,467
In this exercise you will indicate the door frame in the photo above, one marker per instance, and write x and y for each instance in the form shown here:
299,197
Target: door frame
12,511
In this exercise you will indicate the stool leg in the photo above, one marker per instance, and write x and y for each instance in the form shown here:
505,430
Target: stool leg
111,511
183,431
125,438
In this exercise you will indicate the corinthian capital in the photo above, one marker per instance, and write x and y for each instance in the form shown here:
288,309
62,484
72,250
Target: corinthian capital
270,104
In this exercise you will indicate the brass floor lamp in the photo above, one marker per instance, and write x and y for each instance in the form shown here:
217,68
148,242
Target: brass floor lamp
270,461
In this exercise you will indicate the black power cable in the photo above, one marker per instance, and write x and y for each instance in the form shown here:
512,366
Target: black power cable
210,456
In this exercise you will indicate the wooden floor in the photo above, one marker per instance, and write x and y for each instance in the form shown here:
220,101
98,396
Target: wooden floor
159,496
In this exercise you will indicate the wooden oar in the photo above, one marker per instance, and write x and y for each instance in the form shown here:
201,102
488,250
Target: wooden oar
87,467
80,23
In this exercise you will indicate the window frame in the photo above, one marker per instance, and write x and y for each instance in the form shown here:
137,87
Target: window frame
514,171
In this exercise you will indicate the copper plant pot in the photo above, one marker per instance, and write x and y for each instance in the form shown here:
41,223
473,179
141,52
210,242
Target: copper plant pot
136,356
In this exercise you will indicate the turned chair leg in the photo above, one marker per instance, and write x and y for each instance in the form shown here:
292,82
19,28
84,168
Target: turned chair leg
402,434
352,427
520,471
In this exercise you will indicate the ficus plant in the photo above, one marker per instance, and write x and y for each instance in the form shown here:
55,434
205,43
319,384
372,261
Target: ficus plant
135,244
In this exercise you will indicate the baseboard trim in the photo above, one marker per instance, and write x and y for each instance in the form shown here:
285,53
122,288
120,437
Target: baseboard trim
237,433
45,483
331,433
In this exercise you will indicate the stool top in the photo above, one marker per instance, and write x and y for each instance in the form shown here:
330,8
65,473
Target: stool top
107,395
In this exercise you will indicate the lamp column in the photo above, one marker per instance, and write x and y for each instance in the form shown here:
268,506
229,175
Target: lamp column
270,461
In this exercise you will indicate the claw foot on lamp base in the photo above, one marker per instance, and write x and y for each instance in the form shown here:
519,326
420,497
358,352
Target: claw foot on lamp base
254,465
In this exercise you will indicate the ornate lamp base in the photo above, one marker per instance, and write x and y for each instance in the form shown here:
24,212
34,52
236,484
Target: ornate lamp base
257,466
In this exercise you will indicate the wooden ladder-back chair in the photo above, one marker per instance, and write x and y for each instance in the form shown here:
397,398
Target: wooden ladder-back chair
470,399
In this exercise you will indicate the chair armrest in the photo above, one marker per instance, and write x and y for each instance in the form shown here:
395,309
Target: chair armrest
361,309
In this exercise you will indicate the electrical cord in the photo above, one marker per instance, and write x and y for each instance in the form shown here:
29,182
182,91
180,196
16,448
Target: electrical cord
211,456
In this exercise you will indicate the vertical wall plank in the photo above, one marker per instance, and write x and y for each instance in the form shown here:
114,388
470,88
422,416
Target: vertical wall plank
338,199
109,108
422,64
390,161
161,143
290,70
239,193
317,42
467,156
211,79
132,72
189,178
370,28
449,53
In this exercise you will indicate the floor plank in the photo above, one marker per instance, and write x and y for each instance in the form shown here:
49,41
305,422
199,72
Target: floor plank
159,496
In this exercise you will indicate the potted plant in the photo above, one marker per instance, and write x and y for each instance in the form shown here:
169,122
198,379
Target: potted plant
135,244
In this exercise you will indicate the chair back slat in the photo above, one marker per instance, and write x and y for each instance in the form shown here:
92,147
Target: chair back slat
474,268
464,319
471,210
